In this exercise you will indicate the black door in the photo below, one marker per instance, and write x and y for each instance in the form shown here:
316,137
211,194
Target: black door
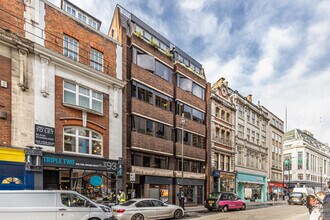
51,179
199,195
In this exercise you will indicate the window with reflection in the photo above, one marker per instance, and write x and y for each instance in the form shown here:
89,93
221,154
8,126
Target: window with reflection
188,85
190,139
150,63
149,160
82,140
190,113
189,166
149,127
151,96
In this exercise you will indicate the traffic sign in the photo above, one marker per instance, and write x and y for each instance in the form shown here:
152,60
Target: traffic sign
132,177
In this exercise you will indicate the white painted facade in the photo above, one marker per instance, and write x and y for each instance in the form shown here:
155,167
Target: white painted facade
310,160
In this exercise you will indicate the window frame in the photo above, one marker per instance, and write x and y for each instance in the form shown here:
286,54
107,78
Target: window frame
68,50
99,57
78,94
77,136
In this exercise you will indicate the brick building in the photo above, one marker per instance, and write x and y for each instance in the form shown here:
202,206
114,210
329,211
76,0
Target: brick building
163,83
63,85
222,138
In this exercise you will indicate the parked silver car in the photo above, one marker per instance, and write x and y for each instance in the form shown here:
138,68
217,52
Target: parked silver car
143,209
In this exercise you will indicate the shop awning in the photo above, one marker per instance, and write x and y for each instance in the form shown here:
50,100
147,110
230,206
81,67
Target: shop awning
245,181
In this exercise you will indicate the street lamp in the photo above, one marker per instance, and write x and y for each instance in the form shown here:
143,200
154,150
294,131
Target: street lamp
321,177
287,163
182,123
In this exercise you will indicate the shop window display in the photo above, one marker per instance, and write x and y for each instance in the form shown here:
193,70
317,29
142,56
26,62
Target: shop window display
189,194
94,185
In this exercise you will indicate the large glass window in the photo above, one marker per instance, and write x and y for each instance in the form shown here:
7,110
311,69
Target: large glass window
163,71
96,60
188,85
190,113
82,140
300,160
149,63
70,47
151,96
147,126
149,160
189,166
190,139
81,96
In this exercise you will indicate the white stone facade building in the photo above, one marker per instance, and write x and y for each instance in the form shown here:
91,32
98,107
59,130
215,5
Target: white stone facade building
309,158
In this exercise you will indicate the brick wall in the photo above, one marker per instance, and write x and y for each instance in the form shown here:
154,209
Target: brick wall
5,101
152,111
151,79
151,143
12,16
74,118
58,24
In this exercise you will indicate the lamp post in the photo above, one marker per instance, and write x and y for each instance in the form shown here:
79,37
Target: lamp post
182,123
321,177
286,164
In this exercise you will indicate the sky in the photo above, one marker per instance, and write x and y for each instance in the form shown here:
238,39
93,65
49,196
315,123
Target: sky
278,51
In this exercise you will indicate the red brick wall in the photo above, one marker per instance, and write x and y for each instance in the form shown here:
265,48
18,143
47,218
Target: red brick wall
152,111
191,125
12,16
190,151
95,122
179,68
151,143
151,79
5,101
58,24
192,100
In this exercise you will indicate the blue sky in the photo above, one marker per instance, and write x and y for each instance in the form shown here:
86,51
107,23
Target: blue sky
278,51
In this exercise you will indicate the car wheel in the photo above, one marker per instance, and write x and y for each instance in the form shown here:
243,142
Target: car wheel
210,210
289,203
243,207
178,214
137,217
225,208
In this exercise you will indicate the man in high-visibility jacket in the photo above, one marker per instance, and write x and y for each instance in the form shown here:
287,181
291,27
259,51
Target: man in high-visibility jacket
122,197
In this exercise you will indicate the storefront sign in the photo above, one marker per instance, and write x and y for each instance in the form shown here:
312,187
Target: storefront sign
66,161
95,180
44,135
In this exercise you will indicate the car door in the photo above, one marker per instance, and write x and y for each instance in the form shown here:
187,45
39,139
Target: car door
71,206
162,210
146,208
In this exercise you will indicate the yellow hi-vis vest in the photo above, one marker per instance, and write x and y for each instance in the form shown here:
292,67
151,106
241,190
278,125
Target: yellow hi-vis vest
122,198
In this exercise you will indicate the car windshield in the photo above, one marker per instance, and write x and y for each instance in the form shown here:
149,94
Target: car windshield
296,194
128,203
214,195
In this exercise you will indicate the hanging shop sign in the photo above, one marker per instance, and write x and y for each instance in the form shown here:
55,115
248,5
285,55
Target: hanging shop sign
95,180
67,161
44,135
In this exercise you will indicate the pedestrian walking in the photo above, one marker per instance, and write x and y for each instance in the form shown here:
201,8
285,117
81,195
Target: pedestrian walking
181,198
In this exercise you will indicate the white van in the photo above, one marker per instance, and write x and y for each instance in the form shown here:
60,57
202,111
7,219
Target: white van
307,191
50,205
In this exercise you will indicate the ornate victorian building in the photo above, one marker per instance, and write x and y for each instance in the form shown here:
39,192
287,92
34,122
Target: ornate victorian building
222,138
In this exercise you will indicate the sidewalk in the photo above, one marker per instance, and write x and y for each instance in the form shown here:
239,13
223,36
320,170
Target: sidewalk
249,205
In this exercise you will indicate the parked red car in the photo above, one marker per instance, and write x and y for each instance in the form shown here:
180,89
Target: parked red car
224,201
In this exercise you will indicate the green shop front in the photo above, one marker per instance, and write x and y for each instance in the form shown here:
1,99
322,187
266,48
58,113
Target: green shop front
93,177
251,188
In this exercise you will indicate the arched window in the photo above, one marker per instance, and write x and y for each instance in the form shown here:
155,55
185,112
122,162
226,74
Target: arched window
82,140
223,114
217,112
11,180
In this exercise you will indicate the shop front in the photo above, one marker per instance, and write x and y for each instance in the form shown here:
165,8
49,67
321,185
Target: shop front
275,189
12,170
193,190
93,177
223,181
251,187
